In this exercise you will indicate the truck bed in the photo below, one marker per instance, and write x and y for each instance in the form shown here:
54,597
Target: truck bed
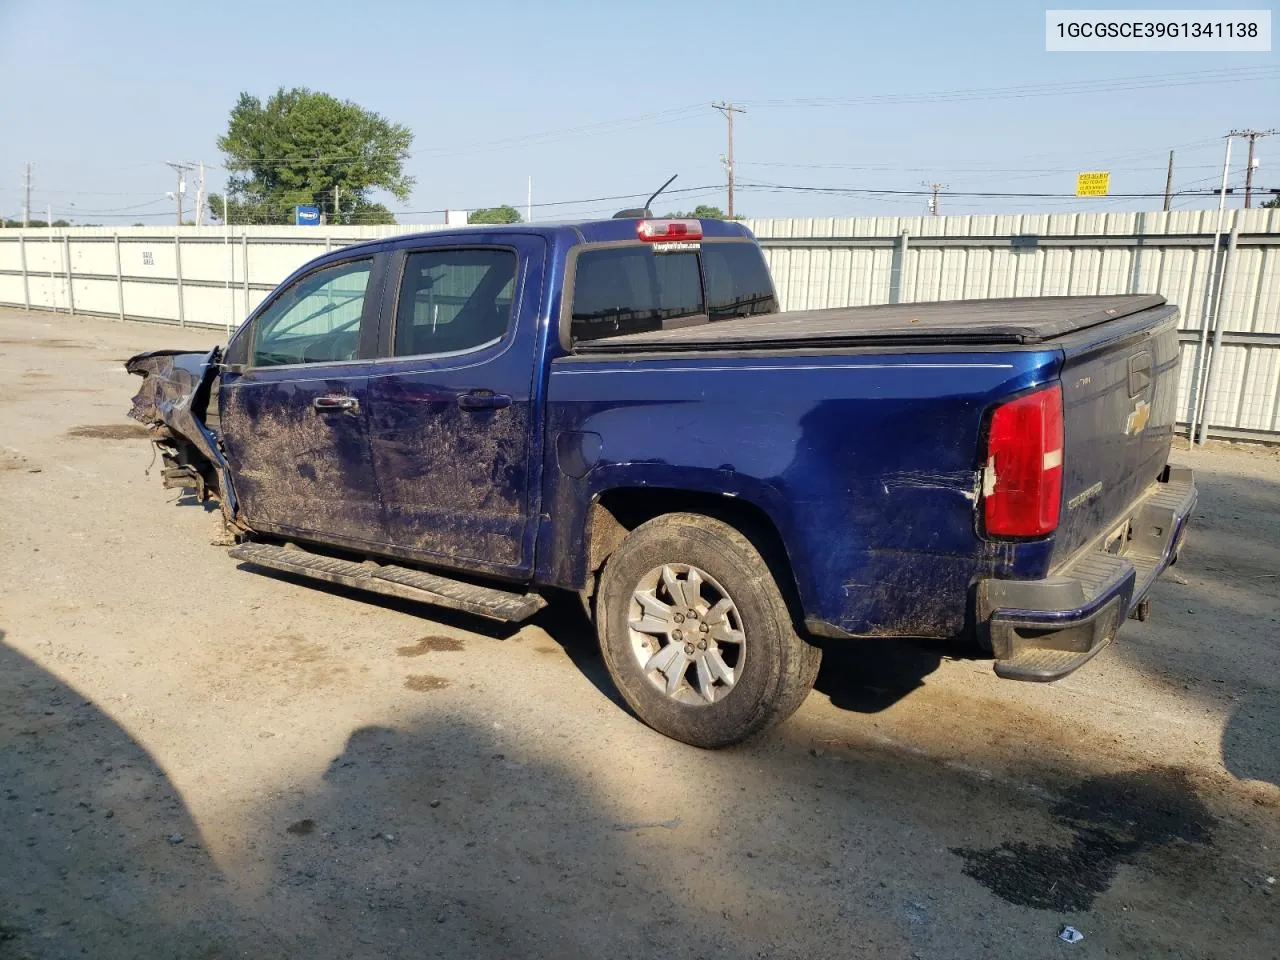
1020,320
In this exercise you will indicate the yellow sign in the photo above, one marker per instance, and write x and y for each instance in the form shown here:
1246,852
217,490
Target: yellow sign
1093,184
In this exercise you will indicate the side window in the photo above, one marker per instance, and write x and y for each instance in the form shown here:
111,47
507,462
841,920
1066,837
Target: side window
737,281
315,320
632,289
454,300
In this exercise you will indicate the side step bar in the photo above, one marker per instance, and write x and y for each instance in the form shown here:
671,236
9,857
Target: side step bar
394,581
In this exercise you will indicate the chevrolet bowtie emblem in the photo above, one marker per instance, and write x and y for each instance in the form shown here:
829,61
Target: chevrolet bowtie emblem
1138,418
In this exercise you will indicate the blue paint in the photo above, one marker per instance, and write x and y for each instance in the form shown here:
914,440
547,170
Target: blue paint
866,462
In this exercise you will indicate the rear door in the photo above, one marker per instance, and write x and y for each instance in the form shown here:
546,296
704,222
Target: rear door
451,417
295,423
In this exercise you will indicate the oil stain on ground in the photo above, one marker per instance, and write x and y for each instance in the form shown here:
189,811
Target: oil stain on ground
425,682
431,645
111,431
1115,819
301,828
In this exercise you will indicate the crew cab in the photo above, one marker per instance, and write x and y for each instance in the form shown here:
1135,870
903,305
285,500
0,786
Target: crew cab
479,417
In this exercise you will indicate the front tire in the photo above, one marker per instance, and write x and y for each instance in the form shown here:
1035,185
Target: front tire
696,634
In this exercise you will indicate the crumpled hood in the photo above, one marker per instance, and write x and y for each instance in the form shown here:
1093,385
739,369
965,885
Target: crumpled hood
175,394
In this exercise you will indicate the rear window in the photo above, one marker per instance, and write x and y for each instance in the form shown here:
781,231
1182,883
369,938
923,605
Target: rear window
632,289
738,283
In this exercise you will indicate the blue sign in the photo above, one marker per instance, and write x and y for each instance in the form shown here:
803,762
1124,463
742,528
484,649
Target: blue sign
306,216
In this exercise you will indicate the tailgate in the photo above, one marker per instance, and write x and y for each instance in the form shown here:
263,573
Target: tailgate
1119,390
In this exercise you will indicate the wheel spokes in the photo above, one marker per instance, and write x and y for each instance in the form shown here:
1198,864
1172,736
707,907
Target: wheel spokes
664,658
674,627
719,669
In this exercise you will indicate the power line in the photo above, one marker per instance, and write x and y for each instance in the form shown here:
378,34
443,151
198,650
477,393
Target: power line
1021,91
994,194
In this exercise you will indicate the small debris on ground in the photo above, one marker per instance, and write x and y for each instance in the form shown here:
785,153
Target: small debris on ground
176,838
1070,935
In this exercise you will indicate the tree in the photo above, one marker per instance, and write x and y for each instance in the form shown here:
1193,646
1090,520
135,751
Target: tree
298,147
703,212
503,214
1273,202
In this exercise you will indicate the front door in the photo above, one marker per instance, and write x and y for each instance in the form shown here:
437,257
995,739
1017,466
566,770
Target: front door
451,428
296,423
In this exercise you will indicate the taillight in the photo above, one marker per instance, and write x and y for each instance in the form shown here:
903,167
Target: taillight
1022,485
658,230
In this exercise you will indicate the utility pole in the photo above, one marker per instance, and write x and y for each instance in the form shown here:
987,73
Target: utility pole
528,203
933,200
337,194
728,109
26,197
181,169
200,198
1251,136
1168,183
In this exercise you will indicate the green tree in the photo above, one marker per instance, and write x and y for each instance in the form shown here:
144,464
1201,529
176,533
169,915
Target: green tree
301,145
704,212
1273,202
503,214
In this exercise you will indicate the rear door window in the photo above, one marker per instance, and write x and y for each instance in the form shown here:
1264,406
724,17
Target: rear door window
631,290
452,301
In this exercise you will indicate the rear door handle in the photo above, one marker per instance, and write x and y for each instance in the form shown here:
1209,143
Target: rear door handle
483,400
336,403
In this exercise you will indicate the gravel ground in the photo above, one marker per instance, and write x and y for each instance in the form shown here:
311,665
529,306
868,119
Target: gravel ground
200,761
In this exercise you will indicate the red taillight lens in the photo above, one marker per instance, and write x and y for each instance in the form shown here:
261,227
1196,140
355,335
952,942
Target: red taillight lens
669,230
1022,486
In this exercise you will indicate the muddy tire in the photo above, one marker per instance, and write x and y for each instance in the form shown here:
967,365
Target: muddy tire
696,634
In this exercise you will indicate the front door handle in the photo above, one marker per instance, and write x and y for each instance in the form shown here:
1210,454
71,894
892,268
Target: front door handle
483,400
336,403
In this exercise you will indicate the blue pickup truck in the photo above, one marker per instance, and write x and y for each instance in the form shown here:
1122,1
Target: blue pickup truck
478,417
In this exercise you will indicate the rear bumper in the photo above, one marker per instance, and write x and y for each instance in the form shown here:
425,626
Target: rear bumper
1045,629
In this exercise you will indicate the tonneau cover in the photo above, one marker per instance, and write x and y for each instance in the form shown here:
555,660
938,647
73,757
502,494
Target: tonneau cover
1006,321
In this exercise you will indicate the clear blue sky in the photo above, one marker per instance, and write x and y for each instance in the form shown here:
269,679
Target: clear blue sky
99,95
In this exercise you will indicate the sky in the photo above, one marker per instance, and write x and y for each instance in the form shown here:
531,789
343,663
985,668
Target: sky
598,100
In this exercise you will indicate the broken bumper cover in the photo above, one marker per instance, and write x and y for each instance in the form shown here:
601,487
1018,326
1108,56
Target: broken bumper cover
1044,629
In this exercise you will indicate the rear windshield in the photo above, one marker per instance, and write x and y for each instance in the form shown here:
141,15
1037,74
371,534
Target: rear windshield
632,289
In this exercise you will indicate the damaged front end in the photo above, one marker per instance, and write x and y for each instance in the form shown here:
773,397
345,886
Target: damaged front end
178,404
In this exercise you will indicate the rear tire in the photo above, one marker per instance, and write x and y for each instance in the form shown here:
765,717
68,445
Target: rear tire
696,634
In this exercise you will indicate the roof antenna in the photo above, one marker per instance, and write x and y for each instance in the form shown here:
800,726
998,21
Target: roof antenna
644,211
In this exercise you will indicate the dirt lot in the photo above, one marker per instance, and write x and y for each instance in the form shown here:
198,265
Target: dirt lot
200,761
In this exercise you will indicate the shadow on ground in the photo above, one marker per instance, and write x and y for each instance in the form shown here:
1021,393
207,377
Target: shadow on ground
453,836
98,852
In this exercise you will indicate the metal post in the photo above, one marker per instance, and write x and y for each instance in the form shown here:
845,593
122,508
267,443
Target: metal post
898,271
177,265
26,281
66,262
231,267
53,279
119,278
1215,357
1196,392
244,266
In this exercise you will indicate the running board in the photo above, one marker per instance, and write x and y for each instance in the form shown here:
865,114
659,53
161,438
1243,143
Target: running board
394,581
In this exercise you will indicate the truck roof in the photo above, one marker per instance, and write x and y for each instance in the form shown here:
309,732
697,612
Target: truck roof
582,231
